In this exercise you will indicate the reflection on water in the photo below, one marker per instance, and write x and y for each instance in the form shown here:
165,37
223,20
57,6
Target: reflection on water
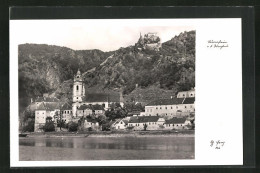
164,147
150,143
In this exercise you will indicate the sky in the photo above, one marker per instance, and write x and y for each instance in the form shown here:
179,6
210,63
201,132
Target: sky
105,35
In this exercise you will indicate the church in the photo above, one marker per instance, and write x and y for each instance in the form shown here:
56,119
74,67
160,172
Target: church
81,97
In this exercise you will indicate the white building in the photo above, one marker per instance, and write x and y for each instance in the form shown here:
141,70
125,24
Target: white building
176,123
184,94
171,107
151,122
120,124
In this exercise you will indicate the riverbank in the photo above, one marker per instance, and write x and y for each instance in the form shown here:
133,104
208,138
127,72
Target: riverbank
179,133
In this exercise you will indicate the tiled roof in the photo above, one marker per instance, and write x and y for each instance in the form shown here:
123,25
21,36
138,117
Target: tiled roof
172,101
102,97
133,120
125,121
47,99
143,119
48,106
92,107
97,107
189,100
84,107
66,106
175,121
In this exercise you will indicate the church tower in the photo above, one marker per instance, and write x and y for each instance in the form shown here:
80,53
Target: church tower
78,92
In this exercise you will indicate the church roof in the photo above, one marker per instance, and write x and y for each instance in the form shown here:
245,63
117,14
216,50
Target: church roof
78,72
102,97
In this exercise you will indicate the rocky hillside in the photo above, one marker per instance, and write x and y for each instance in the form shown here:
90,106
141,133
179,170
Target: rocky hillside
140,74
44,68
170,68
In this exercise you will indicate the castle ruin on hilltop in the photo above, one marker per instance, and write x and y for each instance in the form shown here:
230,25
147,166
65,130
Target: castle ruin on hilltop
149,41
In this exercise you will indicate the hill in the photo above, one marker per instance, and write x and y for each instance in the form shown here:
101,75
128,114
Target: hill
142,74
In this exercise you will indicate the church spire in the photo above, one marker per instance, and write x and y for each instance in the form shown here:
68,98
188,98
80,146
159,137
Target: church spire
78,73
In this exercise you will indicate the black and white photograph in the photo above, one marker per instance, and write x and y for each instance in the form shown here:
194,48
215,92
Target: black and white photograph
122,92
92,90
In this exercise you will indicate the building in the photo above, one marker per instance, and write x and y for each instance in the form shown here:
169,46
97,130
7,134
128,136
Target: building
120,124
98,109
66,112
150,41
171,107
80,97
176,123
91,124
84,110
41,113
185,94
151,123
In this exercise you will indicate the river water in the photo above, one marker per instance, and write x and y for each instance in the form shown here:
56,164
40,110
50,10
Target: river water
106,148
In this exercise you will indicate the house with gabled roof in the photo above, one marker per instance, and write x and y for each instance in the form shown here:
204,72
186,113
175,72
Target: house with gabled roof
120,124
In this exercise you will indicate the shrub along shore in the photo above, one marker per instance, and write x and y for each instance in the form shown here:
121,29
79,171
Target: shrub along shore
179,133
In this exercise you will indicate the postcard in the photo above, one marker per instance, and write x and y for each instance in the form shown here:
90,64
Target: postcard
126,92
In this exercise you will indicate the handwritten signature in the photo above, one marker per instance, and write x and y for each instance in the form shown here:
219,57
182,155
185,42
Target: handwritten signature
217,144
217,44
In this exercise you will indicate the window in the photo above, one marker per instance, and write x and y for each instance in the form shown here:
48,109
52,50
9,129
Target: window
185,106
77,76
171,107
165,107
156,107
165,114
77,87
160,107
172,124
190,106
191,94
183,95
176,107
